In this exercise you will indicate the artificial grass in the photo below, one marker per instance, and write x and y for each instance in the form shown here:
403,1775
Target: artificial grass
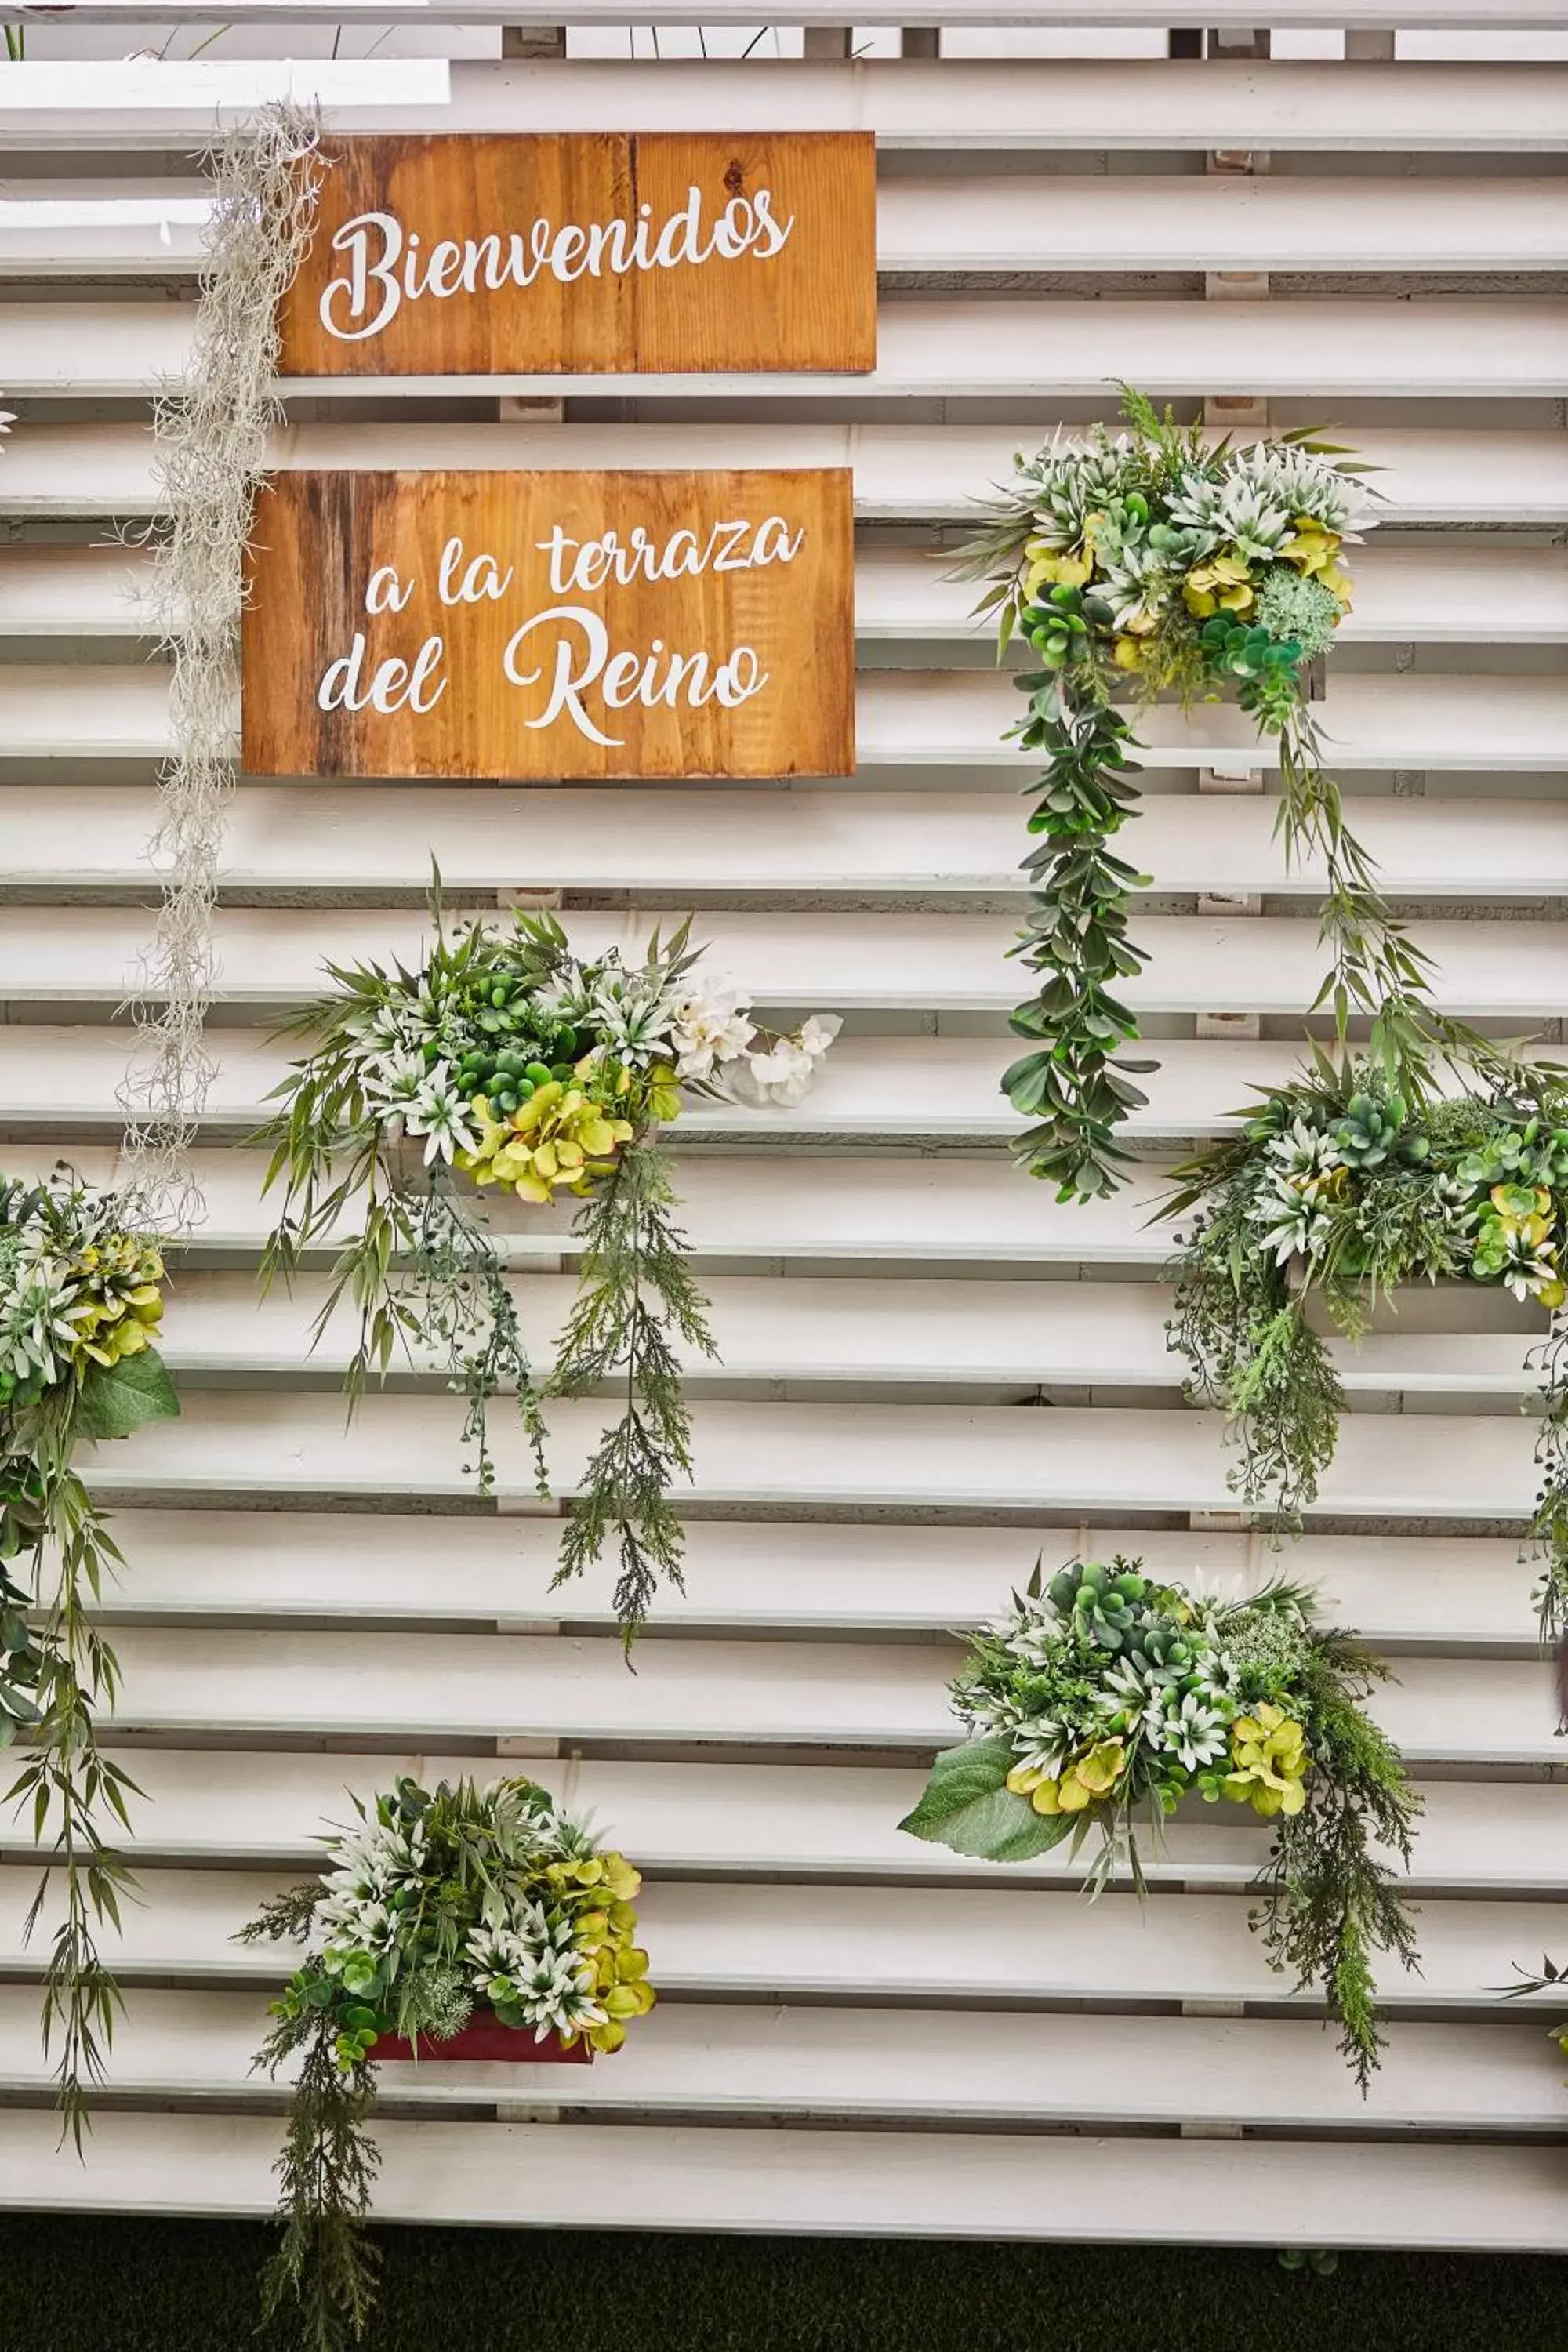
93,2284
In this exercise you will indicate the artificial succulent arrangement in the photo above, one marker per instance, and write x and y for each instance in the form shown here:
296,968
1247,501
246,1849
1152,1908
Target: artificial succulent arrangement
506,1065
1157,562
442,1905
1339,1189
81,1299
1105,1698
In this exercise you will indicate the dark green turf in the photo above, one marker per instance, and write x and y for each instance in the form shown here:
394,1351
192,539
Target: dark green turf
80,2283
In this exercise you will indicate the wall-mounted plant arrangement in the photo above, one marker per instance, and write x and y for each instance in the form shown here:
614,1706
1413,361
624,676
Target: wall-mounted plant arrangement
506,1065
1104,1697
449,1920
1158,563
81,1302
1339,1190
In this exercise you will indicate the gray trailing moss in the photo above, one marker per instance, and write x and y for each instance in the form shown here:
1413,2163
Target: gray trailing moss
210,442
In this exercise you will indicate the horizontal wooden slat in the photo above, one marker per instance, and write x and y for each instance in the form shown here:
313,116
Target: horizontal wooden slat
816,1459
835,2183
916,1091
270,961
976,227
333,840
1327,350
187,1567
1461,1342
936,719
842,1696
1453,593
730,2065
1332,14
902,472
818,1822
1070,103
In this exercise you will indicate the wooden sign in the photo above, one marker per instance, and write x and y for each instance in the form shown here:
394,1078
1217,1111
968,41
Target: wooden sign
550,624
593,254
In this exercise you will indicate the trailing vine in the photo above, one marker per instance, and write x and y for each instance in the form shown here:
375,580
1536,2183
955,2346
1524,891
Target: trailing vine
1157,563
1105,1699
81,1302
519,1066
1339,1189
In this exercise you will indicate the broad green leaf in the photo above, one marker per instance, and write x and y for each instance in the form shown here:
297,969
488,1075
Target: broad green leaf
117,1399
968,1807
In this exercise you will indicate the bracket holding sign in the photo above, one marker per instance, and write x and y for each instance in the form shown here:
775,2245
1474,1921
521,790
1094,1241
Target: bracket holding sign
549,625
590,254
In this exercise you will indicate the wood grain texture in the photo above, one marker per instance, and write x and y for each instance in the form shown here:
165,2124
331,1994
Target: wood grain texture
718,666
451,208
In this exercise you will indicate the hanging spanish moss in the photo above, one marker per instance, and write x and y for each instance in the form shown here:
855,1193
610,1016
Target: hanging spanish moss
210,436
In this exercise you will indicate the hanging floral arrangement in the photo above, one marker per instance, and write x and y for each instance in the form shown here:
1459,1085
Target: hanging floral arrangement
449,1921
1338,1190
505,1065
80,1303
1104,1698
1153,563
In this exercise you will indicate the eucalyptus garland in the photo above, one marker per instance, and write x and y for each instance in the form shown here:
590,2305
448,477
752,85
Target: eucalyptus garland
442,1908
1105,1698
1339,1189
506,1062
80,1303
1156,563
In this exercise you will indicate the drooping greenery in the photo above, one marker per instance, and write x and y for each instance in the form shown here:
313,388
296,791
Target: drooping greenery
1105,1699
95,2284
81,1302
519,1066
443,1903
1159,563
1339,1189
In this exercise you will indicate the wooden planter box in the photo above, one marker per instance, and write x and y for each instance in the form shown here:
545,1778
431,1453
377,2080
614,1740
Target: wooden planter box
485,2036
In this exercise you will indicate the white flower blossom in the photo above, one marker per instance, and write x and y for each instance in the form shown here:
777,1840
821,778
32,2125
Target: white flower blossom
708,1027
439,1113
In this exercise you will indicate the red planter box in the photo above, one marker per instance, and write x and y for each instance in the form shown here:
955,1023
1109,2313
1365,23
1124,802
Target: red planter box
485,2036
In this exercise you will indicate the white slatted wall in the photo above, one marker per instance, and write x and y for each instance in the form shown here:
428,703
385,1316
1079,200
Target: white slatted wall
929,1369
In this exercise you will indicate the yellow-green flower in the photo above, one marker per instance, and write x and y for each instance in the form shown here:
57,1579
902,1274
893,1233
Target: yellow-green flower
1268,1762
1081,1783
118,1303
1313,550
1049,568
559,1141
1222,586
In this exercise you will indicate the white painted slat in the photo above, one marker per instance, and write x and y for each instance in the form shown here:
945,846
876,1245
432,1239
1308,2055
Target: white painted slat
918,1091
827,1823
1325,350
960,103
969,226
1078,1344
751,1208
187,1568
332,839
271,959
729,2064
1453,592
445,1688
834,2183
813,1458
1330,13
1007,1943
902,472
937,719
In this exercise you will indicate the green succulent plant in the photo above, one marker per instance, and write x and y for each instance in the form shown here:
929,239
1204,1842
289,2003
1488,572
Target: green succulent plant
1371,1132
1101,1602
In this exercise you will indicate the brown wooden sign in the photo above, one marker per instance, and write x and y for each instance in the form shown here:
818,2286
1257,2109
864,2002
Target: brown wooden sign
550,624
594,254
